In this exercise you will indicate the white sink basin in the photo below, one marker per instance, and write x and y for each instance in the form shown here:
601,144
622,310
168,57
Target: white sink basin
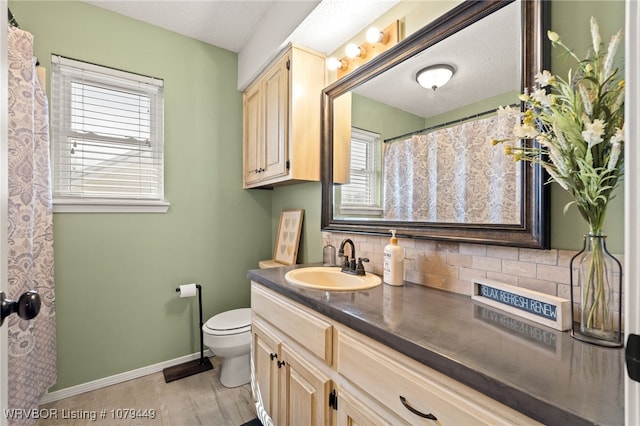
330,278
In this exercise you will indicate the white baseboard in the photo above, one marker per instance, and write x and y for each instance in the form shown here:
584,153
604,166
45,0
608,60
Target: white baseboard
118,378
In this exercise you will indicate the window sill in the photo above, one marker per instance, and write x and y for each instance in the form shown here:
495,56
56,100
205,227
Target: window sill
361,211
66,205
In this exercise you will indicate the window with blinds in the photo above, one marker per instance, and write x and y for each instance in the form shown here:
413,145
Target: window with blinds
107,135
363,189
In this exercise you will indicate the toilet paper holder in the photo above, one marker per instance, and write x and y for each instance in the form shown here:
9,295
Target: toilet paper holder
190,368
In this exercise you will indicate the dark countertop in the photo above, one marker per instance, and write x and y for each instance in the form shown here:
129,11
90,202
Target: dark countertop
541,372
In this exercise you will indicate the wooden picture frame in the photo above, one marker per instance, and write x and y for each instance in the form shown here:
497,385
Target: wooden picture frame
288,238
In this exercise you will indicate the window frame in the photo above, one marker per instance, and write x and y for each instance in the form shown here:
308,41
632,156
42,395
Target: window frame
374,169
65,72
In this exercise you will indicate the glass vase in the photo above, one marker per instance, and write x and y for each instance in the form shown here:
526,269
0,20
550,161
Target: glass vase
596,280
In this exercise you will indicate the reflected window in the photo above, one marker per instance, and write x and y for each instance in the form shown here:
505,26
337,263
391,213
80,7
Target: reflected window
362,194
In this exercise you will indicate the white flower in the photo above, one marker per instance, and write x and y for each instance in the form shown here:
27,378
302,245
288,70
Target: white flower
524,131
618,136
542,97
593,132
507,112
544,78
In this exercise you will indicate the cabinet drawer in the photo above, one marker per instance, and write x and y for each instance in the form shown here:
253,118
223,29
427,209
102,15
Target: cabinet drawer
310,331
387,377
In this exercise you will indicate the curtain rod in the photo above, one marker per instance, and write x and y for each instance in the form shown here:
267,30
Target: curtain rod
439,126
12,19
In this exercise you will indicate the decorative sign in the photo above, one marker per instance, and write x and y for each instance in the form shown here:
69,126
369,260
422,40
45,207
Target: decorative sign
542,308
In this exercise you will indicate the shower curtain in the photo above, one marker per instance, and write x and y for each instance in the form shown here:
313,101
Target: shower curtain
453,175
32,344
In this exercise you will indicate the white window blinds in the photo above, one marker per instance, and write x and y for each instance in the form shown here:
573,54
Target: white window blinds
107,133
363,187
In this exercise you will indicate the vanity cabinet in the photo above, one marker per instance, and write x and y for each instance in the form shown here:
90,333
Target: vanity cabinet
281,121
291,352
331,374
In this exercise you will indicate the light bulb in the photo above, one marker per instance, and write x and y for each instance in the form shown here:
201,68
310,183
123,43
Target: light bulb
352,50
374,35
334,64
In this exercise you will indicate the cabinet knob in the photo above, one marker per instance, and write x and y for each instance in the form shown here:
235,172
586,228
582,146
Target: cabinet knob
280,363
273,356
416,412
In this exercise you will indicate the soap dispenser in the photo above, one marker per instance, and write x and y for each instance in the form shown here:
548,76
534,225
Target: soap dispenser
329,255
393,261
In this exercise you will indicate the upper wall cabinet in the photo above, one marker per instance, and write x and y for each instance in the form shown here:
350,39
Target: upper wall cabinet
281,121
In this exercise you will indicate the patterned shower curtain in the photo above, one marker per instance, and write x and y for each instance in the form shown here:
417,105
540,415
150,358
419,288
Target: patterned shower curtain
32,344
453,175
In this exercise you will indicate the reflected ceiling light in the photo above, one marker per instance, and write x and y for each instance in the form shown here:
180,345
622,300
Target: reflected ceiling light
334,64
353,50
434,76
374,35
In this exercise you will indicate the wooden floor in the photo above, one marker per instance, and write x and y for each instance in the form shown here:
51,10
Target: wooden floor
195,400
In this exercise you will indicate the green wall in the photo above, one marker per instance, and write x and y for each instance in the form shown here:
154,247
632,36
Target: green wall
115,274
571,20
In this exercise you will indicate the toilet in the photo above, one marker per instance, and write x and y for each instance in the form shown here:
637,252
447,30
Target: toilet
228,336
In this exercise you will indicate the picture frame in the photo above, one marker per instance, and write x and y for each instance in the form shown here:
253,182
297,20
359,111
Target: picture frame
288,237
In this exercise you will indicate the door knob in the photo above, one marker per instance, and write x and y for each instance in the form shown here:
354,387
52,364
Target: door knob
27,306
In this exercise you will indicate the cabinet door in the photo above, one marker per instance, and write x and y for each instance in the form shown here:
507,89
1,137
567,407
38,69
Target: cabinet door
353,412
275,87
305,392
253,131
265,358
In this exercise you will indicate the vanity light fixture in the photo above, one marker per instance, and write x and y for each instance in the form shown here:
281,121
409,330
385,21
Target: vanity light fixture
378,41
434,76
334,64
353,51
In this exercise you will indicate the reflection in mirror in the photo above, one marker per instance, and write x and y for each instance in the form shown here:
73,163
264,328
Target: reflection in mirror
419,158
435,164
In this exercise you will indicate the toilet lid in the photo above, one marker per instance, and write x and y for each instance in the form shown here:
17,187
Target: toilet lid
230,322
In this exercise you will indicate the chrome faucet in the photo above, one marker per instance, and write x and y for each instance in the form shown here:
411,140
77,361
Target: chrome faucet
351,266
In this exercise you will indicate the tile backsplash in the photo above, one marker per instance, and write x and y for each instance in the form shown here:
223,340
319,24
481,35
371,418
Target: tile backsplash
452,266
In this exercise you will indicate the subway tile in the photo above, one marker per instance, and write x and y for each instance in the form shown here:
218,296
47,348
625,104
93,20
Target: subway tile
456,259
520,269
459,286
425,245
547,257
563,291
503,278
503,252
564,257
473,249
487,263
546,287
471,274
448,247
559,274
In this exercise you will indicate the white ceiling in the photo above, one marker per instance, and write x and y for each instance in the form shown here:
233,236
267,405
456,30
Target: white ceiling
231,24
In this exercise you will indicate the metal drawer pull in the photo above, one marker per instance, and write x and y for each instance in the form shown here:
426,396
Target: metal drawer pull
416,412
272,356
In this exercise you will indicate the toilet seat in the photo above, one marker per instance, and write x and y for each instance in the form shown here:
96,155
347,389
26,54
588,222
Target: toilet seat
236,321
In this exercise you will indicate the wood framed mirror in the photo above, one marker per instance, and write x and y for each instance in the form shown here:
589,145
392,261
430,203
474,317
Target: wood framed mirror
372,114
